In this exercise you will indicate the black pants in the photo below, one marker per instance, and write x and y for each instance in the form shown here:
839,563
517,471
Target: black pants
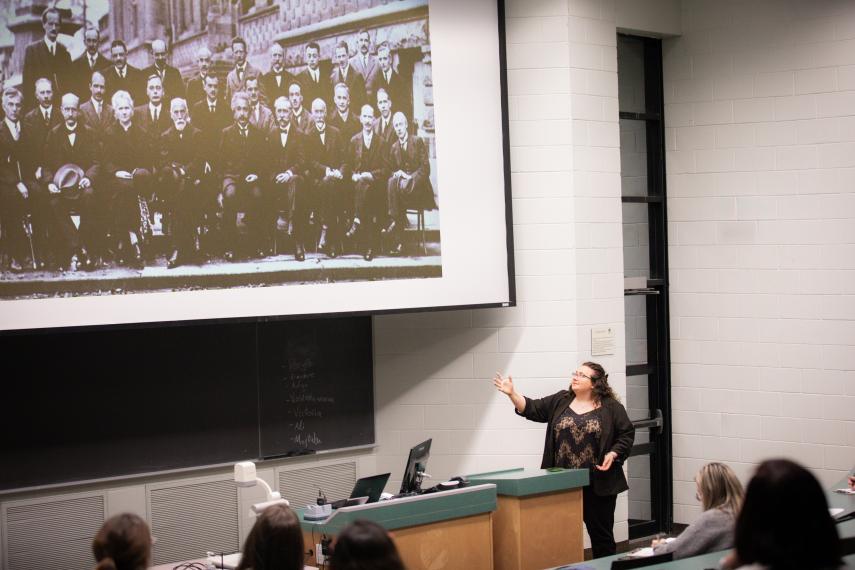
599,515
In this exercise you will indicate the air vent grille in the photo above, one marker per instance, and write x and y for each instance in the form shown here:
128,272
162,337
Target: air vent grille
192,519
53,534
300,486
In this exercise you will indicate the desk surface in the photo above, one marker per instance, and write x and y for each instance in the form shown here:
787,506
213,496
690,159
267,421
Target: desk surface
410,511
523,482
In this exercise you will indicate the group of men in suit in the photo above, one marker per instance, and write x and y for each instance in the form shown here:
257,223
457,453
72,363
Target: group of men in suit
105,141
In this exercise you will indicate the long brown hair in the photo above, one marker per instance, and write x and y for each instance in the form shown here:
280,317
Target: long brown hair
600,383
719,488
122,543
275,541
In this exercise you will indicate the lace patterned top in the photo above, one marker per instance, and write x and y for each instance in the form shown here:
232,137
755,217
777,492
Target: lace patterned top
577,439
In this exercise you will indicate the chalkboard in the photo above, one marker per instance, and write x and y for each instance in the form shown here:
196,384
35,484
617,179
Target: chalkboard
102,403
313,389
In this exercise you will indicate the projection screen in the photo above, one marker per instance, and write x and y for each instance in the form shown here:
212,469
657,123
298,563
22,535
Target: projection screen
442,175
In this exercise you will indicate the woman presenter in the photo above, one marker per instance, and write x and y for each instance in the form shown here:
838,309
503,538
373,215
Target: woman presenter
587,428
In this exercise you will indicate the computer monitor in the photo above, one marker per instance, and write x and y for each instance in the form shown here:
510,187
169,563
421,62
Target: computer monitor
370,487
416,465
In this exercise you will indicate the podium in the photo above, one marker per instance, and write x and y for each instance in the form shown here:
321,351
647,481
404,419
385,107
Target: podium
444,530
538,522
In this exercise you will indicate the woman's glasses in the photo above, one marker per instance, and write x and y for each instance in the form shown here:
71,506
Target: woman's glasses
578,374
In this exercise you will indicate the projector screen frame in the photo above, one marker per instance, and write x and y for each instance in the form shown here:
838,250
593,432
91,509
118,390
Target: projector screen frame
501,99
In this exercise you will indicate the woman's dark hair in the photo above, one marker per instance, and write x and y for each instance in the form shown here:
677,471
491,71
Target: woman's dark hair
365,545
122,543
784,522
600,381
275,541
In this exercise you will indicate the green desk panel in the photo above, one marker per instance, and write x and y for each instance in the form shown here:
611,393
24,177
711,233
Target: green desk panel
411,511
522,482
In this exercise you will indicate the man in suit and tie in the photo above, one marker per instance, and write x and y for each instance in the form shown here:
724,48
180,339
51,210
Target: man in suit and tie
242,163
366,163
383,123
409,185
342,118
236,79
152,116
72,143
96,113
345,73
90,61
286,180
39,121
391,81
275,83
211,114
366,64
183,168
17,181
301,118
46,58
326,168
196,85
173,84
122,76
314,83
260,114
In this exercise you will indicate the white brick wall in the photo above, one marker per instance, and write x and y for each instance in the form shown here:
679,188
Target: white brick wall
433,370
760,110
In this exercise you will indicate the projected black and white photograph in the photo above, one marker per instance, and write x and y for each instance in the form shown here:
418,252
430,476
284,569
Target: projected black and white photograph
172,145
182,146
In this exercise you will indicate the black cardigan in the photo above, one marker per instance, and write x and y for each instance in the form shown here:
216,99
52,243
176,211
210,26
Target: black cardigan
618,435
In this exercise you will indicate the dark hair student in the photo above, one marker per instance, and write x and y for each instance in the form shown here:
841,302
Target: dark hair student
587,428
365,545
784,522
122,543
275,541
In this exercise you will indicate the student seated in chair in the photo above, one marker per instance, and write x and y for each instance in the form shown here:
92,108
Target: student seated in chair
720,494
123,543
275,541
365,544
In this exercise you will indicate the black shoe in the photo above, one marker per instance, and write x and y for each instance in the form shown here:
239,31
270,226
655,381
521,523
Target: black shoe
369,254
300,254
389,229
333,253
353,229
396,250
229,255
174,260
322,241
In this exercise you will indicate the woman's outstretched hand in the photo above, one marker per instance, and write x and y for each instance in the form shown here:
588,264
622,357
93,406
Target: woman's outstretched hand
503,385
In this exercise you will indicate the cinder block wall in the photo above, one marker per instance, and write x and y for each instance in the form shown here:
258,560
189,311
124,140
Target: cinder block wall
433,370
760,116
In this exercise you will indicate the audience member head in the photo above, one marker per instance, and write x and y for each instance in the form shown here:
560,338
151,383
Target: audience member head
123,543
719,488
275,541
364,545
784,522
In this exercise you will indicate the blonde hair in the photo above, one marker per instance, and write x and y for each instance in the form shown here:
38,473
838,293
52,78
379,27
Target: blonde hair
719,488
